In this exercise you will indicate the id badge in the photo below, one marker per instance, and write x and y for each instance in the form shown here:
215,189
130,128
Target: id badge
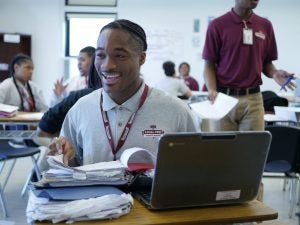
247,36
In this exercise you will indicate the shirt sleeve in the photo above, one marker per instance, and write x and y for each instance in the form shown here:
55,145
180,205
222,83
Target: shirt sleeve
212,44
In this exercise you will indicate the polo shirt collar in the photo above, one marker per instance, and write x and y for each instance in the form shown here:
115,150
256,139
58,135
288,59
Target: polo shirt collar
238,19
131,104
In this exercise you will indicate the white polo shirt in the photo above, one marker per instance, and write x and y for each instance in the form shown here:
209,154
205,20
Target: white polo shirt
160,114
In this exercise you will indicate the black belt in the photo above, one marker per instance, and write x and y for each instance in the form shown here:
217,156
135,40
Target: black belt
238,91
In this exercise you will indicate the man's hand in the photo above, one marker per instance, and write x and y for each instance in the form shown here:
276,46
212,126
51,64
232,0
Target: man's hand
63,146
59,87
284,79
212,96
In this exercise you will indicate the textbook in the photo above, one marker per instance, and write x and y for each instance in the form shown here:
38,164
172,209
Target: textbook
102,173
8,110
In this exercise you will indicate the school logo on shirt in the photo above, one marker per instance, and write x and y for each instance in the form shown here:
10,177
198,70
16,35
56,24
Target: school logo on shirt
153,132
260,34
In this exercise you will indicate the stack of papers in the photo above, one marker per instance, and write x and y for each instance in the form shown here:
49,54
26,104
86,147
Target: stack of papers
8,110
72,204
103,173
57,198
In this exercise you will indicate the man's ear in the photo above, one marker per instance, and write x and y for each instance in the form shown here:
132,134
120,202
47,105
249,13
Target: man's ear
142,58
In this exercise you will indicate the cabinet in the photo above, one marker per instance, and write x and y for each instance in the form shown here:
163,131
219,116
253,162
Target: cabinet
10,45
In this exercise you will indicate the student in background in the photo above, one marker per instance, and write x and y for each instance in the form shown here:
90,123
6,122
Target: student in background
62,89
184,72
51,122
171,84
126,112
239,46
19,90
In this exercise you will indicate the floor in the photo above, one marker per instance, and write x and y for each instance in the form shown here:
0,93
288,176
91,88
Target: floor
274,196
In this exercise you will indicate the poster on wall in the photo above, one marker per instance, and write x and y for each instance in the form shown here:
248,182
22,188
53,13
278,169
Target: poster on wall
164,43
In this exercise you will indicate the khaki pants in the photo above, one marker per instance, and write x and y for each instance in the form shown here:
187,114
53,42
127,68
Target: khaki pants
247,115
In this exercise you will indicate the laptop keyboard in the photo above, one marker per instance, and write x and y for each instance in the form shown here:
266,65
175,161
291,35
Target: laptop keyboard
17,134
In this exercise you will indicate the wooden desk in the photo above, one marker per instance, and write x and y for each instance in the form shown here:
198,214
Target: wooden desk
22,117
139,215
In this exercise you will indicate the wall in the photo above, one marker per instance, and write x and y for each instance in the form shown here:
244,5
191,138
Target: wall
168,24
44,21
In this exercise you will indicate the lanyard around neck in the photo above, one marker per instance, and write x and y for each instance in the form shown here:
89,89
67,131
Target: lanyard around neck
126,129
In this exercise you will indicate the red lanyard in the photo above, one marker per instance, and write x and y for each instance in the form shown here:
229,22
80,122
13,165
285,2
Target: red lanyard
126,128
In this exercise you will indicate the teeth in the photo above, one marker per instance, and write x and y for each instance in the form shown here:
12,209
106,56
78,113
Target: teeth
110,76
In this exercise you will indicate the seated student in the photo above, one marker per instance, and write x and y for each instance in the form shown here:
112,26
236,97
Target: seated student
184,71
19,90
51,122
62,90
126,112
171,84
271,99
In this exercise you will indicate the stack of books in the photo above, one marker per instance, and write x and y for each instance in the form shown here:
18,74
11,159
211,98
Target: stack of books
8,110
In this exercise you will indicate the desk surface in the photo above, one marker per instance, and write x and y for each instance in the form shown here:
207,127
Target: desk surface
139,215
23,117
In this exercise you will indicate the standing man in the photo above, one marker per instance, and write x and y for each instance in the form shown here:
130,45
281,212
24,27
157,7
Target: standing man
126,112
239,46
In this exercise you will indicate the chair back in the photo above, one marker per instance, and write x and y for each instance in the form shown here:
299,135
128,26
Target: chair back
285,146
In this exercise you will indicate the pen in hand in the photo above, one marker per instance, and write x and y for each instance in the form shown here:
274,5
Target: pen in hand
287,82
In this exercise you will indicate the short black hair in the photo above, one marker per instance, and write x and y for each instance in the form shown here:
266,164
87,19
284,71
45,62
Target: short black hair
184,63
135,30
88,50
94,80
18,59
169,68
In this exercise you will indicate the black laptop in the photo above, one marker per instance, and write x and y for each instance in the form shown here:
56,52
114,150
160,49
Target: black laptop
202,169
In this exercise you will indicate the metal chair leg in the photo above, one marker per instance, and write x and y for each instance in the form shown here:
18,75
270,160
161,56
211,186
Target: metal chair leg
2,201
24,189
293,197
35,169
9,173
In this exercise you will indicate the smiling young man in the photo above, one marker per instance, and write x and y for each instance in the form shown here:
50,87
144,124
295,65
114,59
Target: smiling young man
126,112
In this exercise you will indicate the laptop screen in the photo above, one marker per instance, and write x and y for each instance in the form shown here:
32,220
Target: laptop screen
195,169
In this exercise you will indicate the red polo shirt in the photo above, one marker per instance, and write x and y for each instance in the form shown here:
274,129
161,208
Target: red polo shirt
239,65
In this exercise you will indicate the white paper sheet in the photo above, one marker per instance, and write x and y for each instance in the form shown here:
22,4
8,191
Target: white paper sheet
286,113
222,105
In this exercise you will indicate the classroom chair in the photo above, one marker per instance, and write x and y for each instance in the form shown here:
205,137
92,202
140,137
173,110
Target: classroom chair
283,157
8,152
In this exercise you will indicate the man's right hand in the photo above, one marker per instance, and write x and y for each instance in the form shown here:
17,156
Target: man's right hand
59,86
61,145
212,96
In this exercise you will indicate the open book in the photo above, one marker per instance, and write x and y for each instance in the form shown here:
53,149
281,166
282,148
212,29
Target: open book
104,173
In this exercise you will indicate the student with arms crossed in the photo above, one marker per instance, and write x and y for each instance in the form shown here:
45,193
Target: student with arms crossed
239,46
126,112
